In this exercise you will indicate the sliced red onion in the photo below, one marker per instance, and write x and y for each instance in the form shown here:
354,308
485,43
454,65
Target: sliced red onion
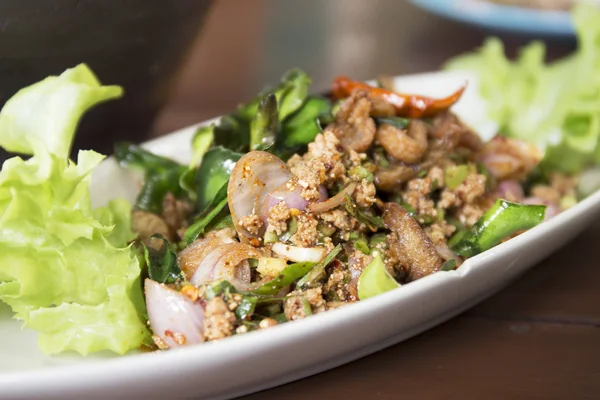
226,262
510,190
335,201
299,254
255,175
509,158
292,199
190,258
501,165
234,265
552,210
175,318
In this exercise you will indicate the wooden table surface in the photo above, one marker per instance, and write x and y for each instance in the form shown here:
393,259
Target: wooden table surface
538,338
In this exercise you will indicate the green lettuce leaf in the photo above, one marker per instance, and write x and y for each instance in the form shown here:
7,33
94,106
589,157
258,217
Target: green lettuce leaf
65,270
554,105
61,100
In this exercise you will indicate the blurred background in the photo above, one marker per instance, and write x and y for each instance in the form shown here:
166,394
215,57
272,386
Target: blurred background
183,61
248,44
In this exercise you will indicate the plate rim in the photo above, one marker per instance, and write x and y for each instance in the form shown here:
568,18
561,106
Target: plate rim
502,16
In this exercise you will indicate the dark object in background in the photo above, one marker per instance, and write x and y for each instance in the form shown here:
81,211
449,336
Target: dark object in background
138,44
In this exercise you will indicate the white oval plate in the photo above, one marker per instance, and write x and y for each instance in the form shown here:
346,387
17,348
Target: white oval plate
259,360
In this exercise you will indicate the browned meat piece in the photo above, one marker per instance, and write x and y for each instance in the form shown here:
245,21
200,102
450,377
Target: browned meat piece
147,224
390,179
409,244
381,108
507,158
175,212
407,145
449,128
354,127
190,258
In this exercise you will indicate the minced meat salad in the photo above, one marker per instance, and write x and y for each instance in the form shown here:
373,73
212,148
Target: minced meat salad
302,204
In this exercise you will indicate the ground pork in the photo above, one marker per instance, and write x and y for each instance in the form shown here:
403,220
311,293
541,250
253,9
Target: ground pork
548,193
469,214
251,223
338,218
417,196
278,216
336,286
176,212
364,195
218,320
467,192
306,234
299,304
439,231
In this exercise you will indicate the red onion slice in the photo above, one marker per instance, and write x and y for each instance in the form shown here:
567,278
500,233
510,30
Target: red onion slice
190,258
510,190
234,267
174,318
226,262
292,199
299,254
335,201
255,175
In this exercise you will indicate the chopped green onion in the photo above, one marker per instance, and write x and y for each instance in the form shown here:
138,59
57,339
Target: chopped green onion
289,274
218,288
449,265
502,220
361,245
316,274
361,173
377,239
246,307
456,175
291,230
325,229
375,279
270,237
280,318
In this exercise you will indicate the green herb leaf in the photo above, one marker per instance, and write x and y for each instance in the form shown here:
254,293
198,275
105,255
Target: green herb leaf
289,274
293,91
449,265
161,175
162,261
302,127
218,288
454,176
246,307
265,125
201,142
374,222
213,175
318,272
397,122
198,227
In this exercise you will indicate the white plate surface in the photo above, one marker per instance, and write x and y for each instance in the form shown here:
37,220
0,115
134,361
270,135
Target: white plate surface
258,360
